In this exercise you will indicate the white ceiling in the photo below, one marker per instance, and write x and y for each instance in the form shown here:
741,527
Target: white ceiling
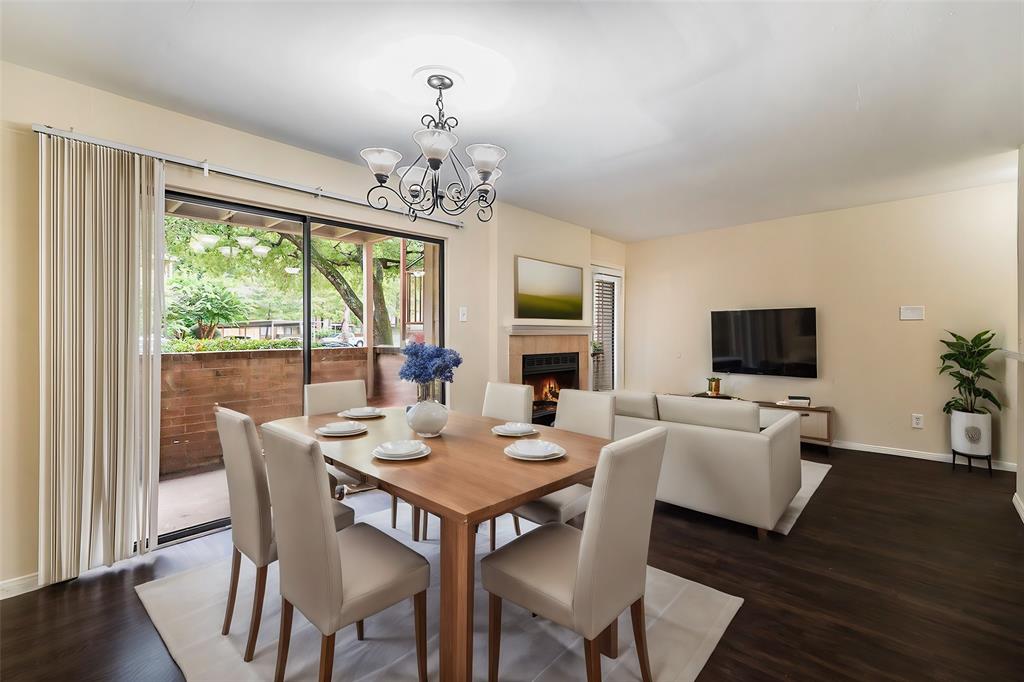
636,120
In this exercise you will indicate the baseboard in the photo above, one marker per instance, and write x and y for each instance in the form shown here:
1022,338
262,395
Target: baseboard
15,586
1019,504
998,464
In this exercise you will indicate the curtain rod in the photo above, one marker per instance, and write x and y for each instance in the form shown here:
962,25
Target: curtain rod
207,168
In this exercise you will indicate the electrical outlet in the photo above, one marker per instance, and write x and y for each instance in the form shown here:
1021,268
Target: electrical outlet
917,421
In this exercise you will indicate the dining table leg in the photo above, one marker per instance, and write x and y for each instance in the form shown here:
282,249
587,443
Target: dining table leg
458,543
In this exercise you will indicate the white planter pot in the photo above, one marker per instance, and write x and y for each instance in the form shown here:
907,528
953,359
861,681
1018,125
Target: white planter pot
971,434
428,417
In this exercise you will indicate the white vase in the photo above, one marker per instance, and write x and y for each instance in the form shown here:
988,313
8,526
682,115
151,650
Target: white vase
970,433
429,415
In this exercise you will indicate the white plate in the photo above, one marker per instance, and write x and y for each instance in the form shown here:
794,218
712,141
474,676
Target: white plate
349,429
514,429
400,458
362,413
535,448
401,447
498,431
511,452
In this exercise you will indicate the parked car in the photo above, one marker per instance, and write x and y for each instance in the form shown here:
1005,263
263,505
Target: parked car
339,342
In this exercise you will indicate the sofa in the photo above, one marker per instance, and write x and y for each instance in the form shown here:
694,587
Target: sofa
718,458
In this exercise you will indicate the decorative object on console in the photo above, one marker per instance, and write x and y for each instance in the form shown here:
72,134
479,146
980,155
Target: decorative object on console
422,189
428,366
970,426
714,385
549,291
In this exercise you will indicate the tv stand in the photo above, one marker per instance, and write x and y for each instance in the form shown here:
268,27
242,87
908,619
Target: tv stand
816,421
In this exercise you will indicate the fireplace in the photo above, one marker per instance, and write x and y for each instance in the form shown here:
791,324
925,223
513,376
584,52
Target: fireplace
549,373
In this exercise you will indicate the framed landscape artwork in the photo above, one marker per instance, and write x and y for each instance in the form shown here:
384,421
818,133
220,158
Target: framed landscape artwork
548,291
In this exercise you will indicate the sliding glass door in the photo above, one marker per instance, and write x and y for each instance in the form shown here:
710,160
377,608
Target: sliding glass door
258,303
372,293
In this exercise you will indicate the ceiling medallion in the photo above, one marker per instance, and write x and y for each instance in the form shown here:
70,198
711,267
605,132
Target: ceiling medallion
453,187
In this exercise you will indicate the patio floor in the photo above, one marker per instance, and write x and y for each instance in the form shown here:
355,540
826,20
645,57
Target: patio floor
187,501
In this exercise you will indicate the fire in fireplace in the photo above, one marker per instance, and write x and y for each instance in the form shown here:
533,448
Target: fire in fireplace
548,374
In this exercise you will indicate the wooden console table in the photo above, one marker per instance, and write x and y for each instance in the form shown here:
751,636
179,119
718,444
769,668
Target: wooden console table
816,421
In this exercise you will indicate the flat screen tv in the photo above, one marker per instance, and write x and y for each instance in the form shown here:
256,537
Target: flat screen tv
775,342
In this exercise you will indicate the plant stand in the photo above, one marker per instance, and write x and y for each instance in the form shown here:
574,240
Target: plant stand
970,459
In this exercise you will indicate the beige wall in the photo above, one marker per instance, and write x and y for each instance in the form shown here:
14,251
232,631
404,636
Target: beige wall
954,253
607,252
479,257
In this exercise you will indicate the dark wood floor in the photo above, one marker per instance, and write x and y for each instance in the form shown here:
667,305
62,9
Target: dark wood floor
897,569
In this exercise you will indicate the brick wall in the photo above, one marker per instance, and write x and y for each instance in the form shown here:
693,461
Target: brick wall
265,384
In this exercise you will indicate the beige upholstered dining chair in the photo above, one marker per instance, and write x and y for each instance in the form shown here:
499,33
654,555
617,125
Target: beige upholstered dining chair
334,579
252,526
583,580
337,396
587,412
513,403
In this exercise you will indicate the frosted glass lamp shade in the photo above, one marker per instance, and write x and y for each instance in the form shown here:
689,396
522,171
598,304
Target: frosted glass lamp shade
261,250
207,240
486,158
228,251
475,176
196,246
435,145
292,270
247,242
381,161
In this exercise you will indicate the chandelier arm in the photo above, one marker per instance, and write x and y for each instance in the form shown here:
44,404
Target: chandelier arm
484,213
460,170
377,197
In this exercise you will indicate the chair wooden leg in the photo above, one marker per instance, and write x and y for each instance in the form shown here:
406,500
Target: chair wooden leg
236,564
416,524
426,521
284,639
394,512
494,531
762,534
636,612
592,653
515,522
493,638
326,657
419,604
359,630
257,612
609,640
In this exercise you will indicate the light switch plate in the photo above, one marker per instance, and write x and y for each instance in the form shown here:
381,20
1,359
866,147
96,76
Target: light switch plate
463,313
911,312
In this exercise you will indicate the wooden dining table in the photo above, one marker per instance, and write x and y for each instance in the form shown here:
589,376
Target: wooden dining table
465,480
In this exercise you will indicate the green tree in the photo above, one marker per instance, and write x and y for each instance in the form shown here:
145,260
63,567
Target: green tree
270,292
200,305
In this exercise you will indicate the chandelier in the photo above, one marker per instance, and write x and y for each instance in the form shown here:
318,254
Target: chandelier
454,187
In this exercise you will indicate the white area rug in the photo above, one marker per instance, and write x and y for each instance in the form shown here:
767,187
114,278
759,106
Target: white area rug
685,621
811,476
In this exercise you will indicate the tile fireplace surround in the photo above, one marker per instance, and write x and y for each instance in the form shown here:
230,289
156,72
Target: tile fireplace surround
530,340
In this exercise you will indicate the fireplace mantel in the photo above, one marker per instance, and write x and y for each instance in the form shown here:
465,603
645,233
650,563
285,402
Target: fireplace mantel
548,330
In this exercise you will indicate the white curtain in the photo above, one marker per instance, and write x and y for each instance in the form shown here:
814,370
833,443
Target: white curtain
101,285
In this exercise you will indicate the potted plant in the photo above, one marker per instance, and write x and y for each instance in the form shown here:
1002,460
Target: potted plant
970,427
428,366
596,349
714,385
